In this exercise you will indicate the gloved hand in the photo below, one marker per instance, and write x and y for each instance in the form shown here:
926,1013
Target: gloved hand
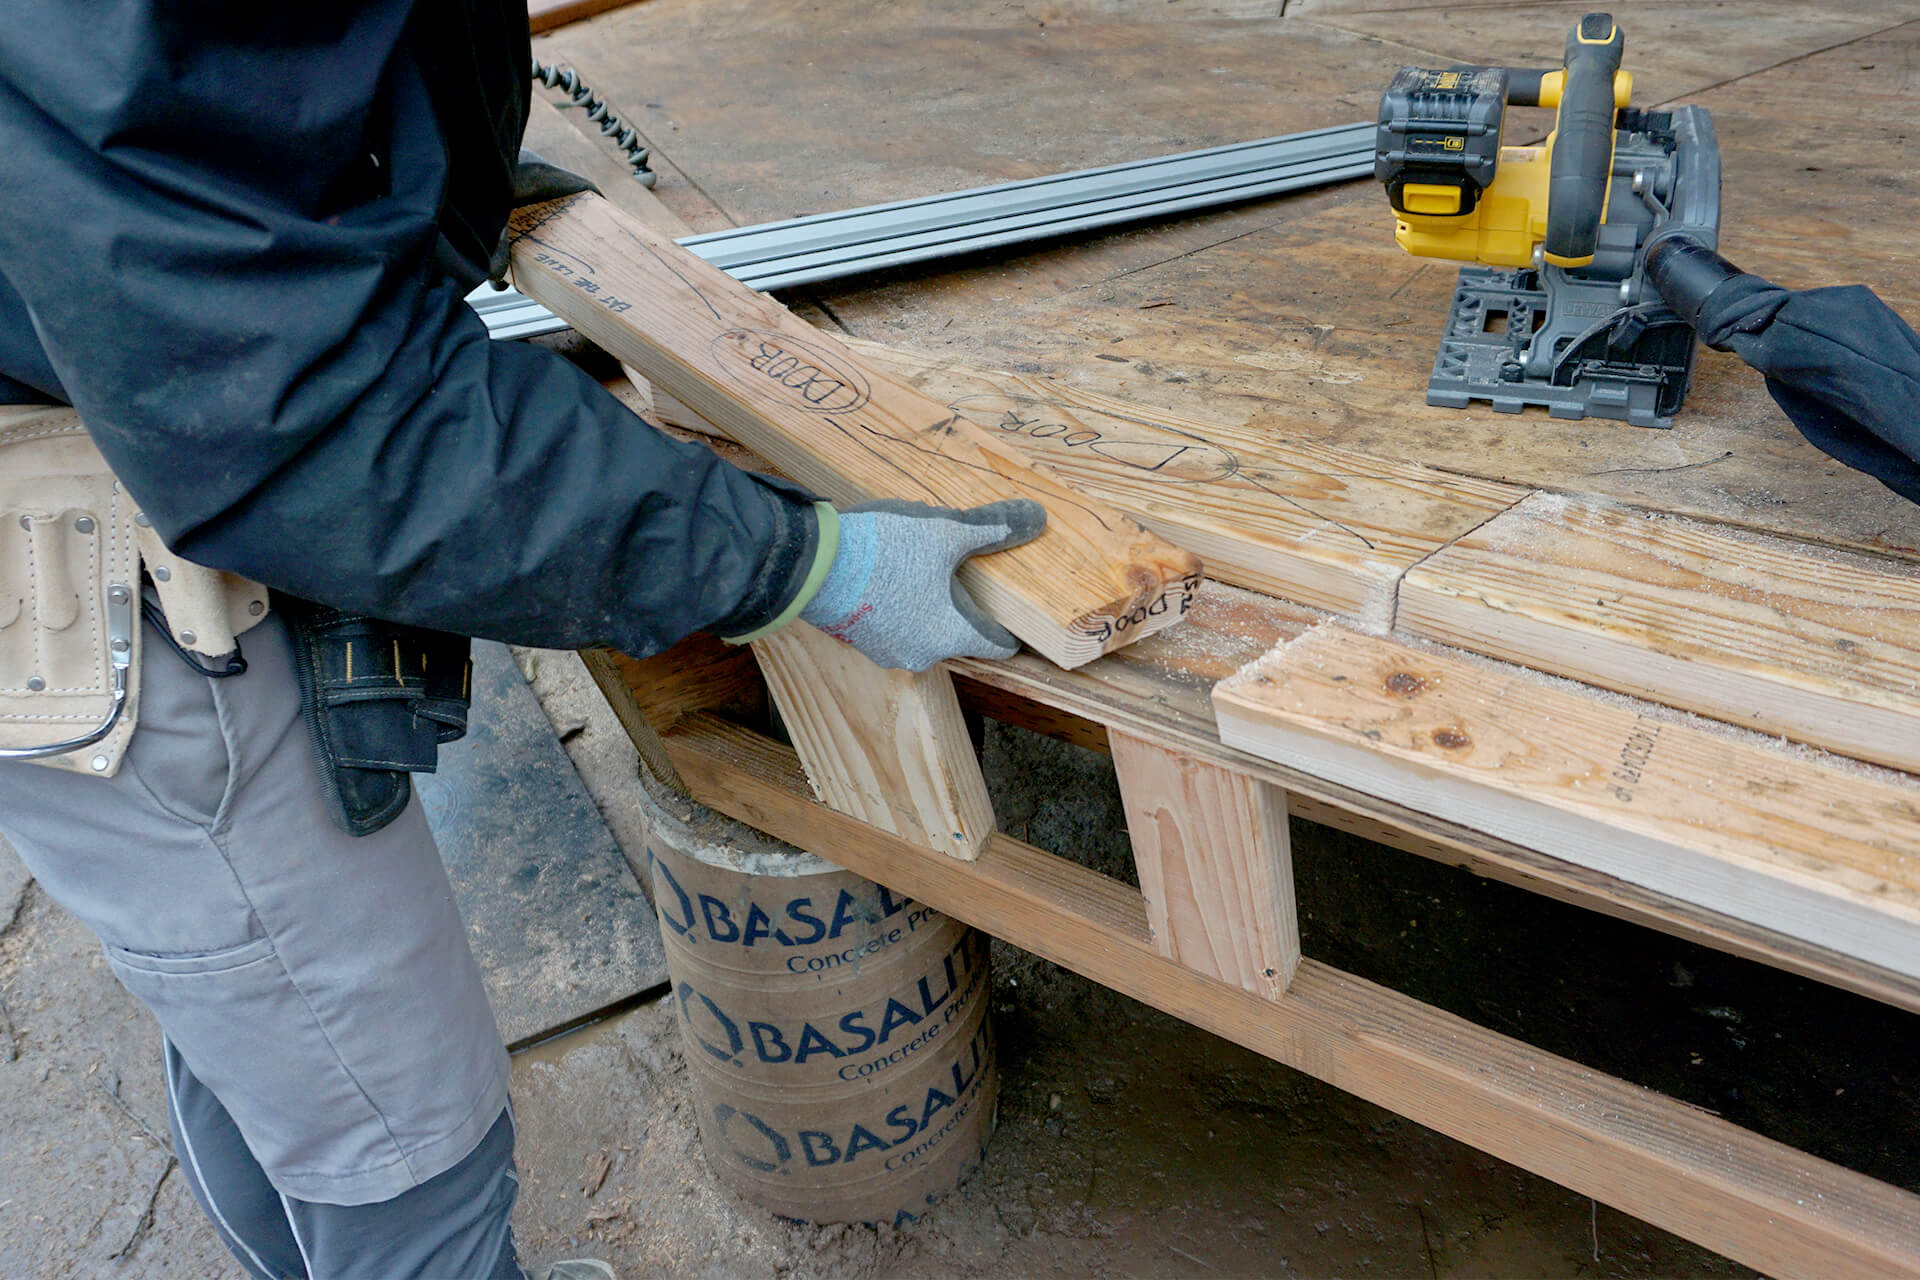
890,590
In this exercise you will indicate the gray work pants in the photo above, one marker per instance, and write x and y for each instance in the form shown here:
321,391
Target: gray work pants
315,990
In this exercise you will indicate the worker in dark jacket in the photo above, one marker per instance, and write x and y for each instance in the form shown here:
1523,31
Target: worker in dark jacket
236,241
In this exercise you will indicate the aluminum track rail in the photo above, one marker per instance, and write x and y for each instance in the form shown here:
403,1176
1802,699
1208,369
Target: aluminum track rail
832,246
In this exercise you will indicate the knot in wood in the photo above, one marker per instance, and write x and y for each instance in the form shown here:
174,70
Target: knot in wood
1406,684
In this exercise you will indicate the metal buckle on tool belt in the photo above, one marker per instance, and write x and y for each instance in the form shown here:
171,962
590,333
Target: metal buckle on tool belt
69,597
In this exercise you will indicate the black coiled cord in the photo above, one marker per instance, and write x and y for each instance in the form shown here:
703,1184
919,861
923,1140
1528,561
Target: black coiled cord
623,135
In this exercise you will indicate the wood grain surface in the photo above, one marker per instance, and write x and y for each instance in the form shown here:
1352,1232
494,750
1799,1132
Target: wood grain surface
1323,526
1215,866
1095,580
1298,316
1815,646
1811,848
1673,48
887,747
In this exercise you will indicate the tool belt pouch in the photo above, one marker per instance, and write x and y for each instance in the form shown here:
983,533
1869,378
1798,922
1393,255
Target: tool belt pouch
379,699
69,597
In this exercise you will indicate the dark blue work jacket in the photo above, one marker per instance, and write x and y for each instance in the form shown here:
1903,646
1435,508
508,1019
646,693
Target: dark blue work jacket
236,238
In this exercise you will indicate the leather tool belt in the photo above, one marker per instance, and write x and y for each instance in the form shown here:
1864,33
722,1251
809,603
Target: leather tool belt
72,543
378,698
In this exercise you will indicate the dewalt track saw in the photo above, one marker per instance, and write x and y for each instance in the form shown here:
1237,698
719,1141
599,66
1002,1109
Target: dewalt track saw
1556,309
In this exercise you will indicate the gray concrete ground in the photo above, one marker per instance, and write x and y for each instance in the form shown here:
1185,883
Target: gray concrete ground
1128,1144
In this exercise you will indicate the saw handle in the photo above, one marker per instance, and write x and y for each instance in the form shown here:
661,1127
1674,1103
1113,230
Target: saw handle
1583,143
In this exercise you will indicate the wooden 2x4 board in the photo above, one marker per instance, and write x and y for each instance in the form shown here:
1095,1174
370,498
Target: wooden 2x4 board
1095,580
1812,849
1817,646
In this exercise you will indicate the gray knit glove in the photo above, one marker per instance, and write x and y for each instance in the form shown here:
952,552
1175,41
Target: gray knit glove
890,591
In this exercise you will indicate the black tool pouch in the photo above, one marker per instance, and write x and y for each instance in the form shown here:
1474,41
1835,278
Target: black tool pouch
379,699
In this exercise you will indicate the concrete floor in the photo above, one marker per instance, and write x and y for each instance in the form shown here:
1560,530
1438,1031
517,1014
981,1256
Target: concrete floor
1128,1144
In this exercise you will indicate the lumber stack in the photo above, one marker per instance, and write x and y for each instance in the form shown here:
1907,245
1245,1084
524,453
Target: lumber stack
1316,524
1713,631
1816,646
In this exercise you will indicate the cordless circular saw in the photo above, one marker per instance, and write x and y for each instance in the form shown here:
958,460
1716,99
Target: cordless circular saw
1556,309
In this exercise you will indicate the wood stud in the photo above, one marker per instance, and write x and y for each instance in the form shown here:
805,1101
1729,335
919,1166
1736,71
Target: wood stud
887,747
1215,866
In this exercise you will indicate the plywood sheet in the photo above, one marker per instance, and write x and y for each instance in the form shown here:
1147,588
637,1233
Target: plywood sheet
752,103
1299,317
1319,328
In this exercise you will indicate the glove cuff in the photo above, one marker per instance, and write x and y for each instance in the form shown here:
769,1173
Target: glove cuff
826,547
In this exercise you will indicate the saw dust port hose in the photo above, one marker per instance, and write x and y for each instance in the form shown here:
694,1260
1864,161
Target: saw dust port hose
624,136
